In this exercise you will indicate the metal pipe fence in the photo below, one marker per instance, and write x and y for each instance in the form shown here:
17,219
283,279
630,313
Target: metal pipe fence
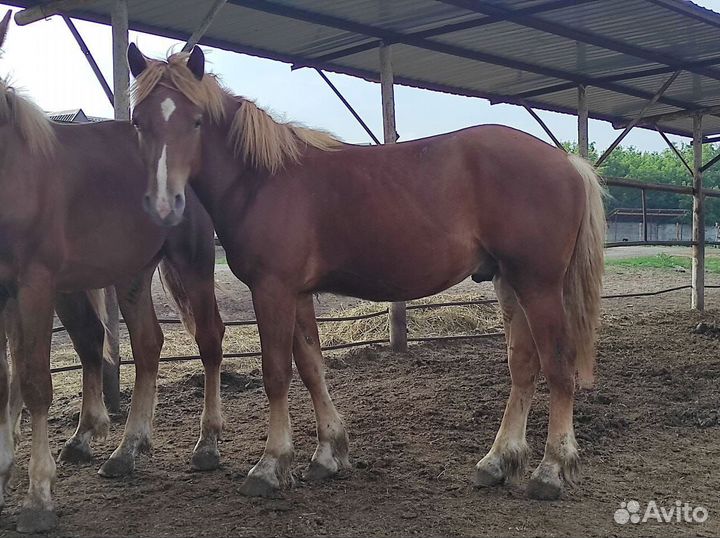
609,181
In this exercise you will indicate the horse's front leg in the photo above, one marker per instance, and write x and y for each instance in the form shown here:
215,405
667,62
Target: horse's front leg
33,330
331,454
146,340
275,313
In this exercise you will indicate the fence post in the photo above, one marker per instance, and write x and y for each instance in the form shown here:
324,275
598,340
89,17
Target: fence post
582,110
398,313
698,221
121,104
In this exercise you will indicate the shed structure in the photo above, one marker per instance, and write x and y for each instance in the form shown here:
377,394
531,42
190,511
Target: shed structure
647,63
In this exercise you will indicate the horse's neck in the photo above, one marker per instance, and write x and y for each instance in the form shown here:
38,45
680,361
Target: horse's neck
221,171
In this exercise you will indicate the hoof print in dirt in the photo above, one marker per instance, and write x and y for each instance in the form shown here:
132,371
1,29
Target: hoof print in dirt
35,521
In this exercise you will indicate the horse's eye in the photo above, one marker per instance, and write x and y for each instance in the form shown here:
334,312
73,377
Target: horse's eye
198,123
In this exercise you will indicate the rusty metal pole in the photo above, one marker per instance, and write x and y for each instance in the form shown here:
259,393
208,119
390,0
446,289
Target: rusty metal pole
121,104
398,312
582,110
698,221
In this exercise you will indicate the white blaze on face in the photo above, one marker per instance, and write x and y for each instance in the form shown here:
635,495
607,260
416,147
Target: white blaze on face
162,203
167,107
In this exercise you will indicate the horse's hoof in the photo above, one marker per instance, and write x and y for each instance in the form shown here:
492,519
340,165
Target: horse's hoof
317,472
545,484
117,467
76,452
34,521
205,459
254,486
488,474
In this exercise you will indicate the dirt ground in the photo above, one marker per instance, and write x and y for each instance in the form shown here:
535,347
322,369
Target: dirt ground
419,422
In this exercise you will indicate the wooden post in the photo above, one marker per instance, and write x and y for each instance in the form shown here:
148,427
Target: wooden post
644,214
121,82
121,71
698,221
583,142
398,313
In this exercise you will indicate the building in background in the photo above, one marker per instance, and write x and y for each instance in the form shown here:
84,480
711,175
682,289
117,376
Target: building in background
73,116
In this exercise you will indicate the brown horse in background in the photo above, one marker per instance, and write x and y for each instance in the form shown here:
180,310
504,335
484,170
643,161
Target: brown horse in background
70,220
297,212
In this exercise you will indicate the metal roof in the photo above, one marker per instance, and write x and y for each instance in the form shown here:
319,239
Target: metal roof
533,52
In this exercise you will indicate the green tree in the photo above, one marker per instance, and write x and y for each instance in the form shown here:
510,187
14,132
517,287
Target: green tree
657,167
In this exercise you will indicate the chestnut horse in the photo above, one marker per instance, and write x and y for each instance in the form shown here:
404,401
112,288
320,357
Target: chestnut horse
71,220
299,213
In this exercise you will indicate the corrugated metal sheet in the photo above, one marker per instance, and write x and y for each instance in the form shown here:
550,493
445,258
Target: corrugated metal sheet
463,48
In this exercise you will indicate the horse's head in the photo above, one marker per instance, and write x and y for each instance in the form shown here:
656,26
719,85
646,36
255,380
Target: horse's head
4,27
168,124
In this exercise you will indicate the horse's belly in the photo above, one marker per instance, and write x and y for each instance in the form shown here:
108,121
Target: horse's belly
408,278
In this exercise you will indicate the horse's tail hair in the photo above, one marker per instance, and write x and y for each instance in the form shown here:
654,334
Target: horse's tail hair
97,300
172,282
583,280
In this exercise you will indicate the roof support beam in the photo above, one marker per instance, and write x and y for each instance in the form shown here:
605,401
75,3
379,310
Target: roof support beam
348,106
48,9
581,36
650,121
710,163
620,77
397,37
583,123
637,119
456,27
204,25
547,130
674,149
91,60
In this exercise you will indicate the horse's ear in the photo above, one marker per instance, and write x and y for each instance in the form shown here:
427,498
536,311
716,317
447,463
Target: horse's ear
136,60
4,27
196,62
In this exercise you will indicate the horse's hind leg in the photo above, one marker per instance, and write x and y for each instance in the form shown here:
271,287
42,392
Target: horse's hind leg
331,454
7,445
545,311
194,293
146,340
508,456
78,315
33,328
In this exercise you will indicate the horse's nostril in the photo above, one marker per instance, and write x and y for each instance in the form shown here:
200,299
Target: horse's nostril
179,202
146,203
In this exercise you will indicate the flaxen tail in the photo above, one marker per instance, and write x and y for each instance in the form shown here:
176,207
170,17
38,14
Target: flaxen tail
583,281
172,282
99,305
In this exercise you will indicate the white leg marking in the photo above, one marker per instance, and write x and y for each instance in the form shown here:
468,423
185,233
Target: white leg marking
168,107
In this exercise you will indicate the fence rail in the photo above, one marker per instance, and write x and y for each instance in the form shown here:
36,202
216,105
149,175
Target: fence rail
609,181
382,312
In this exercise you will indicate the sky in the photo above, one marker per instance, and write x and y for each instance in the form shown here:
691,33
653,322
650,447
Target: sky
44,61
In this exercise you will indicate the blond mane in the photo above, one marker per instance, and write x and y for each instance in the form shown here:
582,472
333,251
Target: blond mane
254,135
30,121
